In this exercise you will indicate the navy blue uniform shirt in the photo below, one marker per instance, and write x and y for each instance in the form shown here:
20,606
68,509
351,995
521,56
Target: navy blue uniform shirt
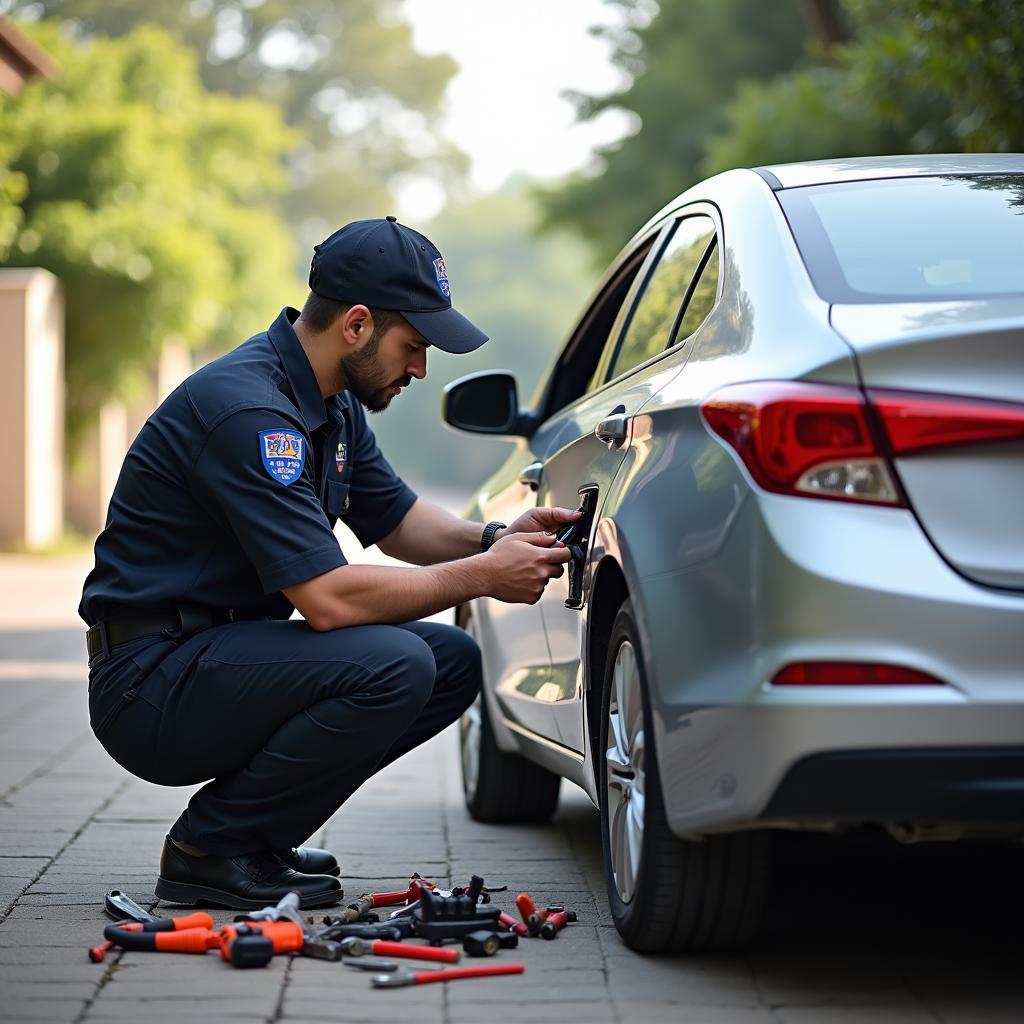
231,490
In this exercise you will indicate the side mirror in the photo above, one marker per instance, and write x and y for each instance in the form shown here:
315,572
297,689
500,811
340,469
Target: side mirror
485,403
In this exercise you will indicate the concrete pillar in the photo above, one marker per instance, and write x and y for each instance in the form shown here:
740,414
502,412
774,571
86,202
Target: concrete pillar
91,478
32,404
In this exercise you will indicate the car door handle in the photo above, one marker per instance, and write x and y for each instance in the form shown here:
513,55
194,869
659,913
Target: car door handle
613,429
532,474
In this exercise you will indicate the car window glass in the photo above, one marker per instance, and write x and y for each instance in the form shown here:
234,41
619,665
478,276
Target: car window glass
651,324
702,298
579,363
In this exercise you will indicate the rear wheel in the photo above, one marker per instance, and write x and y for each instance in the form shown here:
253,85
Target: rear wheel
665,894
499,787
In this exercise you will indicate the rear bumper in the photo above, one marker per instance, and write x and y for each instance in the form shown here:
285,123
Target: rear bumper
976,785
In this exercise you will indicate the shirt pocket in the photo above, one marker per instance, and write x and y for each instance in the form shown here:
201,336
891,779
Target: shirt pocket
337,498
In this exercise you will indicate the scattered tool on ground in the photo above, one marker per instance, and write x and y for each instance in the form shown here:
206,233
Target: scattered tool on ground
402,978
484,943
555,919
439,917
286,909
152,925
395,930
122,907
513,925
372,965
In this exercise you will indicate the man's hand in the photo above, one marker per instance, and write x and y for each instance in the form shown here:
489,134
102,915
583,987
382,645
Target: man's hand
541,520
520,565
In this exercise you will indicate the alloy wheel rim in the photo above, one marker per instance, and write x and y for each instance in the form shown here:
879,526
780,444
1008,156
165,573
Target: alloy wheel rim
624,771
470,732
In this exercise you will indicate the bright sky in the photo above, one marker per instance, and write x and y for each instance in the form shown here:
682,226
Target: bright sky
505,107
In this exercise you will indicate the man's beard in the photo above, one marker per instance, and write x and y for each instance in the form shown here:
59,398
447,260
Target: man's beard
366,378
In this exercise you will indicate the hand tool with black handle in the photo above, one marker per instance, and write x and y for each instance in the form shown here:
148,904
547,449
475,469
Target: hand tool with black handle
153,924
402,978
485,943
555,919
393,931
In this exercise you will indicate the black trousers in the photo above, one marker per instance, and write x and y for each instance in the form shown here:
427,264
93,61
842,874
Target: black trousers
287,722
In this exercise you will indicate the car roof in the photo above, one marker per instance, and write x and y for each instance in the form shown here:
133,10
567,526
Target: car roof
821,172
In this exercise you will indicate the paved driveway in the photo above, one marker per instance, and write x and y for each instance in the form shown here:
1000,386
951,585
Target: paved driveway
858,931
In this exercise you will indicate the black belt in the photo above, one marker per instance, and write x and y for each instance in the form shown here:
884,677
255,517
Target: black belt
174,624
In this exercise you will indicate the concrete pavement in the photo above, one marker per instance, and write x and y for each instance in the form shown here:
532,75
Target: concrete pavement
857,932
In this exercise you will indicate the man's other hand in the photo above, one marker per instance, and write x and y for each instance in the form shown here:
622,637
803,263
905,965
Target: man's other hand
522,564
541,520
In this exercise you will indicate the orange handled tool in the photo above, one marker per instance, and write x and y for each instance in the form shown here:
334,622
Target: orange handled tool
513,925
402,978
160,924
355,946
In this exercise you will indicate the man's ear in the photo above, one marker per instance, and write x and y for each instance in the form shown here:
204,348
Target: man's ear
355,325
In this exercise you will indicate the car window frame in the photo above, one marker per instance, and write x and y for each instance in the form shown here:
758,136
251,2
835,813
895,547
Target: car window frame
653,241
671,222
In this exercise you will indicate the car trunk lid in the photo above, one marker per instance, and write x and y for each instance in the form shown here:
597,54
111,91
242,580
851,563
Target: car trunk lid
949,379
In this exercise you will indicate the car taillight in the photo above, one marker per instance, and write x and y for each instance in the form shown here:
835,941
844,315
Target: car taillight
915,422
851,673
804,439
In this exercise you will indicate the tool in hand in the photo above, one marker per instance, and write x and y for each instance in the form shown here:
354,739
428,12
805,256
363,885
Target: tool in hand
122,907
402,978
153,924
484,943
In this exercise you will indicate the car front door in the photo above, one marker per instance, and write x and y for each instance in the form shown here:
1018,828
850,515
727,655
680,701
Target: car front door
589,438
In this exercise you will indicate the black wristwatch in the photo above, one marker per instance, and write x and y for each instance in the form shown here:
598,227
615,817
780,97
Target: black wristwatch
487,537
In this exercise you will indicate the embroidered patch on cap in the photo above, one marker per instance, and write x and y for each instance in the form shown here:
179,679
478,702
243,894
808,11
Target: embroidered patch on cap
283,454
442,277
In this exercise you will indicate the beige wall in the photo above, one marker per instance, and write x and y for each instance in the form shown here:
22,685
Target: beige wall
32,406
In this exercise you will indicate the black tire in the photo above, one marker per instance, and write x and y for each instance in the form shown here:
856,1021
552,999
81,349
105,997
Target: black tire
507,787
688,896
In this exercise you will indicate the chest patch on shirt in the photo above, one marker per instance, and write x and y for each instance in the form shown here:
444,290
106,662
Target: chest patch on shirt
283,454
339,456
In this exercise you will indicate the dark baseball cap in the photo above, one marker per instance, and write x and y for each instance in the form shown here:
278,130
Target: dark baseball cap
383,264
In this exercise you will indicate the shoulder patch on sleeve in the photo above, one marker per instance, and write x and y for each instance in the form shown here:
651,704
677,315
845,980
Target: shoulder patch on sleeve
283,453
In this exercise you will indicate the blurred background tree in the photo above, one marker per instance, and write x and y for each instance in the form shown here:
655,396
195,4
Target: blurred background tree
343,72
685,59
738,83
145,194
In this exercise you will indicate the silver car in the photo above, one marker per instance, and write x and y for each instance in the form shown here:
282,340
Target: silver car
793,412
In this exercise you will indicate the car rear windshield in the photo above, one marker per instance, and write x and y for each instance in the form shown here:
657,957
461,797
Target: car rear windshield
911,239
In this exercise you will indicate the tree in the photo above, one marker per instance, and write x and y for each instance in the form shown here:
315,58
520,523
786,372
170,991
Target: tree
920,76
144,196
685,61
343,71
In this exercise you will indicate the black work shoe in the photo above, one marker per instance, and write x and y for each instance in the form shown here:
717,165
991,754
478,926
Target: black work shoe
308,860
249,881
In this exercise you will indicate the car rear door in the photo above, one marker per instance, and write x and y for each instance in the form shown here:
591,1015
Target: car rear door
590,437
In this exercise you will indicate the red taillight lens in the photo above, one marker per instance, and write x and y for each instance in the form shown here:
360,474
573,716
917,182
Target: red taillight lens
851,673
806,439
915,422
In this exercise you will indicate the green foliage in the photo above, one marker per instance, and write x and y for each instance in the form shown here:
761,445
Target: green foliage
685,64
524,292
343,71
921,76
143,195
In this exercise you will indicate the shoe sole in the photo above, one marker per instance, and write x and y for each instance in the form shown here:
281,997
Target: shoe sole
187,894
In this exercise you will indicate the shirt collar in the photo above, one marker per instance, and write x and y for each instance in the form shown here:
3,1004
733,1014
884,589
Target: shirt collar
296,366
